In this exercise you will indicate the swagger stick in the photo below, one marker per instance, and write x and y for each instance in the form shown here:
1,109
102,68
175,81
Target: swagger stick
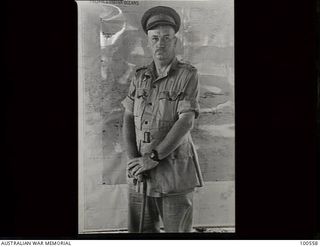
143,207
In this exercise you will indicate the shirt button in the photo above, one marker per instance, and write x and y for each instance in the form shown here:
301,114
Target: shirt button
150,103
146,122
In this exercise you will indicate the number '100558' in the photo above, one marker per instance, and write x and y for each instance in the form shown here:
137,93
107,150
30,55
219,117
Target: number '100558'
310,243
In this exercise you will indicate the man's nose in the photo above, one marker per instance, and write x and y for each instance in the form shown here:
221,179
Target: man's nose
161,43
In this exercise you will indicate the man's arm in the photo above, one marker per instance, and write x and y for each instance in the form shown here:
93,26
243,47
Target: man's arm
188,110
129,135
176,134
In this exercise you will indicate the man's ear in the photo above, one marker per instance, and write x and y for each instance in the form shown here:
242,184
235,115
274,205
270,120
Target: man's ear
175,41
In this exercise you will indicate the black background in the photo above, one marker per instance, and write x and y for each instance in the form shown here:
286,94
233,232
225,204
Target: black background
277,163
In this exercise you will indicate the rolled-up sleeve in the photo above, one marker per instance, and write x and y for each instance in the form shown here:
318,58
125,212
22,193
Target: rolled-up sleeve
190,99
128,102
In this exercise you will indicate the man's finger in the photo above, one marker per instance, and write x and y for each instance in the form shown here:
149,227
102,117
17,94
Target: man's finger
135,169
138,171
133,164
130,175
133,161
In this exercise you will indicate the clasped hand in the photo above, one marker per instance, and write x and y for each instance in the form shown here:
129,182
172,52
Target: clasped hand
137,166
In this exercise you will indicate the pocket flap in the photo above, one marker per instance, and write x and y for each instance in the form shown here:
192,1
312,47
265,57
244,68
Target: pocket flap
170,95
164,95
142,92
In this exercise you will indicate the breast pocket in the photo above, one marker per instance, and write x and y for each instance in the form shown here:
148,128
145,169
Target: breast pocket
168,105
140,101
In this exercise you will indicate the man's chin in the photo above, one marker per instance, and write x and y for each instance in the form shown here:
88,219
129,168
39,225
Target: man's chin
160,57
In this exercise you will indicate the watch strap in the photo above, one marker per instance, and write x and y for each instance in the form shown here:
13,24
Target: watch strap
154,155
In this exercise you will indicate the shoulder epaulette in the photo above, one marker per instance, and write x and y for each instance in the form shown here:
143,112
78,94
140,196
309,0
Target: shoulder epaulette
186,65
141,68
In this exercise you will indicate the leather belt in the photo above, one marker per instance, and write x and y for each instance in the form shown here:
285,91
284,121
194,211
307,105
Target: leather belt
149,135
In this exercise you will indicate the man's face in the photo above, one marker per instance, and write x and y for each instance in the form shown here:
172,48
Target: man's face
162,42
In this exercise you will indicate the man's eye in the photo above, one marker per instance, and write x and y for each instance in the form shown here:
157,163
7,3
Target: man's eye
155,39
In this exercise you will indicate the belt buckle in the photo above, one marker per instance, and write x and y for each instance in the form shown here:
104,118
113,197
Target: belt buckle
146,137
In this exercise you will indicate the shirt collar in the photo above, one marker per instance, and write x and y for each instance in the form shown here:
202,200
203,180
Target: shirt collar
151,68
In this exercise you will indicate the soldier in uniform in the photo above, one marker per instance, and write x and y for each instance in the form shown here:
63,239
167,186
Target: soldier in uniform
160,109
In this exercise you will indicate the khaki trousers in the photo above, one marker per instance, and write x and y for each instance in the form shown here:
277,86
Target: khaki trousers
174,210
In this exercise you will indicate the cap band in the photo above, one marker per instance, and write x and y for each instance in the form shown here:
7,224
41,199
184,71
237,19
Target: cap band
161,18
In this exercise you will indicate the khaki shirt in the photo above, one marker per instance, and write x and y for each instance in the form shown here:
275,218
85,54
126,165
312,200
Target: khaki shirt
156,104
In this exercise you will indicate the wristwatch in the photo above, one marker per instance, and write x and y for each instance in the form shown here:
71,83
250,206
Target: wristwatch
154,155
